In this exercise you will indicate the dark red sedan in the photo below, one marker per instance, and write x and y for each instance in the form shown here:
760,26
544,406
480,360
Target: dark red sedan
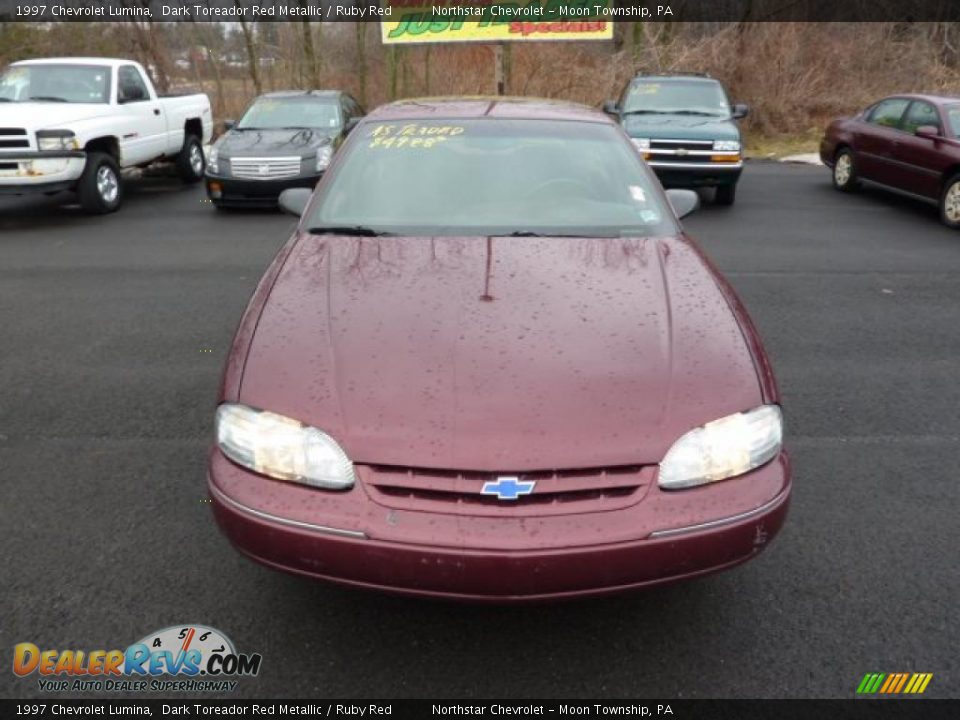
489,364
908,143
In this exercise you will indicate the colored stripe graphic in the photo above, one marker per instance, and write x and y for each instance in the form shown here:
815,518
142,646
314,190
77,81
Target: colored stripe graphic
894,683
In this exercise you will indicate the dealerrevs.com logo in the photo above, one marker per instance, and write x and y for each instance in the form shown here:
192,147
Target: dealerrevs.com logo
180,658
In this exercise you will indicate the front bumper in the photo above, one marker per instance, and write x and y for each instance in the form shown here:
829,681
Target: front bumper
696,174
254,193
349,537
32,172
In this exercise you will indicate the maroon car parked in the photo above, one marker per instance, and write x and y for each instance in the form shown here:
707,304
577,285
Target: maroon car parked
489,364
908,143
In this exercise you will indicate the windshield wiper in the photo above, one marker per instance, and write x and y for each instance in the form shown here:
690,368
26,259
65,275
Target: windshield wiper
3,99
48,98
691,112
532,233
670,112
355,230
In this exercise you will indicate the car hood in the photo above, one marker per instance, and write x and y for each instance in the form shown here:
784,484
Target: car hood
49,115
681,127
271,142
504,354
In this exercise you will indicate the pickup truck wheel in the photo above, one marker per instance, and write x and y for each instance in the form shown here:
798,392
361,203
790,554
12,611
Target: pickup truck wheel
100,189
950,203
725,194
845,176
191,162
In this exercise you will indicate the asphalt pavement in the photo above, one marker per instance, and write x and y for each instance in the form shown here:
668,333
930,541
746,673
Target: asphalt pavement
113,331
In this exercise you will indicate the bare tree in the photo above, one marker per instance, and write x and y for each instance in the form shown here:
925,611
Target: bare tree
253,59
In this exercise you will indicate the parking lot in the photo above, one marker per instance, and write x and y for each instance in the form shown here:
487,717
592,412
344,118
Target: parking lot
113,330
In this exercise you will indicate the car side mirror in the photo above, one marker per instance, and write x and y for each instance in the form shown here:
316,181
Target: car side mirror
927,131
229,125
610,108
740,111
683,201
294,200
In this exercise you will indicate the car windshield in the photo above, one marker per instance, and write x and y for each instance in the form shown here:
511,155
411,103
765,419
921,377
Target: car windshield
270,113
56,83
695,97
492,177
953,119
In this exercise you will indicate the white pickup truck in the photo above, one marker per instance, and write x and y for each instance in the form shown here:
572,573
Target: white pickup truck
75,123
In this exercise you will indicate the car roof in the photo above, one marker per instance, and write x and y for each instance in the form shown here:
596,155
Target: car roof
935,99
303,93
514,108
76,60
678,77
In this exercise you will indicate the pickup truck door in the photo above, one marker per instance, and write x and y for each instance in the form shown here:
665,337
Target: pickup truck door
921,160
876,139
143,125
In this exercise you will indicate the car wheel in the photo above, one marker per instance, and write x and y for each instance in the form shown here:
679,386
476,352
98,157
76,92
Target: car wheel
190,161
725,194
845,176
950,203
100,189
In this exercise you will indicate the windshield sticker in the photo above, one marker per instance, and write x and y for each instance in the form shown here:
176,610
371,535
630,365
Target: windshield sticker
647,88
636,192
650,217
412,135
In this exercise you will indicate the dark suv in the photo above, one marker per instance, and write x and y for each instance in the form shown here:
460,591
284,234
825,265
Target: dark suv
684,126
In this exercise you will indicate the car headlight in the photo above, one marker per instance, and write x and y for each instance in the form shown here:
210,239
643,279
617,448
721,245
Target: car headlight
324,155
726,145
213,160
723,448
641,143
48,140
282,448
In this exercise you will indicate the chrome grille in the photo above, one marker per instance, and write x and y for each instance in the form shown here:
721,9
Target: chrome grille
265,168
13,138
681,144
557,491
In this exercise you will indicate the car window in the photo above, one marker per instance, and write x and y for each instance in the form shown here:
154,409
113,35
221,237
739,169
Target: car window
919,114
353,107
665,96
275,113
953,119
887,113
49,82
130,85
492,177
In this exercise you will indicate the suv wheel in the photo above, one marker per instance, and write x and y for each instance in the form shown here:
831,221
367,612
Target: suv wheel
845,176
725,194
100,189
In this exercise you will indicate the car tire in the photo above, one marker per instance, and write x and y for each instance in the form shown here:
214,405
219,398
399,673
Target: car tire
950,203
191,162
100,189
725,194
844,174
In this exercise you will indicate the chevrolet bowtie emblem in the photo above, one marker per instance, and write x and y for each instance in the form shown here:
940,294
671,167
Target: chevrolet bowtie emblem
508,487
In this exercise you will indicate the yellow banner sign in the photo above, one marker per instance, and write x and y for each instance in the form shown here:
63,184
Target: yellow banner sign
445,21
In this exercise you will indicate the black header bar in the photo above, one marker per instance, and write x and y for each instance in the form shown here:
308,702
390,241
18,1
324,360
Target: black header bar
374,10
